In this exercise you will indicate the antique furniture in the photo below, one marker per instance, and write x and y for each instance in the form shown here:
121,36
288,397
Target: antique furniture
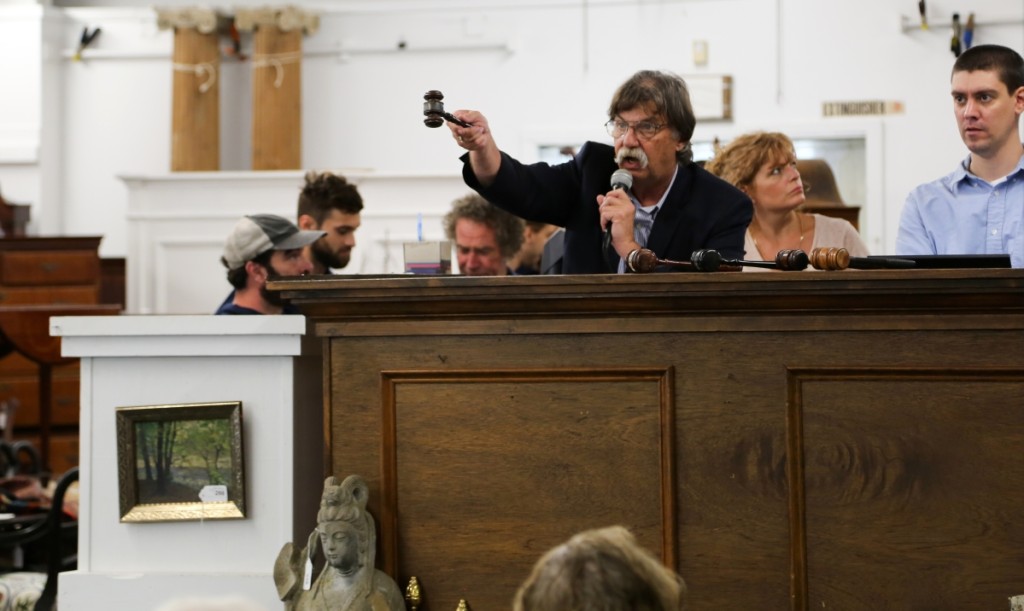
38,272
54,534
823,194
846,440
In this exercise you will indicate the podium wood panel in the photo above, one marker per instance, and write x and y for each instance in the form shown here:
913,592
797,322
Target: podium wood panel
845,440
530,454
911,489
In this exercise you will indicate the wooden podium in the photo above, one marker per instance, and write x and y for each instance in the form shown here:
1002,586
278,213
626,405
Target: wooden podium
841,440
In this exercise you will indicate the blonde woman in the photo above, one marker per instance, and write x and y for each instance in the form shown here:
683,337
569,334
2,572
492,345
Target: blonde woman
763,165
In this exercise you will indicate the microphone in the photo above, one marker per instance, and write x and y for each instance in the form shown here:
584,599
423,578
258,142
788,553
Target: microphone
621,179
831,259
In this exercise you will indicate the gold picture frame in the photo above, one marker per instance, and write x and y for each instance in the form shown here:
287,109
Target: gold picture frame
168,455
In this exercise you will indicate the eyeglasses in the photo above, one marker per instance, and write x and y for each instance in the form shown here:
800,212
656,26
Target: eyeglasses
642,129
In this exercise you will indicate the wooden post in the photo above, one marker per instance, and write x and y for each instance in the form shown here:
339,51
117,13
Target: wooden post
195,112
276,84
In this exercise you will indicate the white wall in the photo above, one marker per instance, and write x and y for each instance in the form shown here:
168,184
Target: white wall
540,71
21,103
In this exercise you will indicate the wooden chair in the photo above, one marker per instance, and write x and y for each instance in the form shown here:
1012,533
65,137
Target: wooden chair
55,537
823,192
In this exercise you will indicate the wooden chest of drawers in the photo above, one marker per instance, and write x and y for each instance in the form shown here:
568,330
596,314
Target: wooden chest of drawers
58,271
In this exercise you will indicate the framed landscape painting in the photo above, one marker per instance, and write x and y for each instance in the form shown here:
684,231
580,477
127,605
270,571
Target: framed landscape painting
180,462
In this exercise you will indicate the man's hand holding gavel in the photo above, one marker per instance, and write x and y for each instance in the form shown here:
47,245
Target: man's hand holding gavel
484,155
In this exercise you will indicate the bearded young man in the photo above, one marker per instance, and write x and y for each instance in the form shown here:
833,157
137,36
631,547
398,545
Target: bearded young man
673,207
261,248
331,204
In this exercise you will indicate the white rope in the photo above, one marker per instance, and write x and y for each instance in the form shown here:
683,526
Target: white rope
277,61
204,70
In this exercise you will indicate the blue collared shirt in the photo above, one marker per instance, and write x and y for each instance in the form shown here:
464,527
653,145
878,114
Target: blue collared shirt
961,214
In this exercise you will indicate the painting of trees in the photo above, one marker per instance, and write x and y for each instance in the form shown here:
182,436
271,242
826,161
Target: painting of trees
177,458
181,462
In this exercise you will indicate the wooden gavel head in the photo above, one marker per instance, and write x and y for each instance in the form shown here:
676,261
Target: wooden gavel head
830,259
642,261
791,259
433,108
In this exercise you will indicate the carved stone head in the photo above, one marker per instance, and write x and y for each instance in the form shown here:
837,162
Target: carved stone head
348,536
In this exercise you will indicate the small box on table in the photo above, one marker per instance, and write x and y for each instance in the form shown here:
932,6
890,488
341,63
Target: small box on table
428,258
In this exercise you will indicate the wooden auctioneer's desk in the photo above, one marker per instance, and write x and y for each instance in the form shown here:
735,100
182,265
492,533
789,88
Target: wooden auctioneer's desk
839,440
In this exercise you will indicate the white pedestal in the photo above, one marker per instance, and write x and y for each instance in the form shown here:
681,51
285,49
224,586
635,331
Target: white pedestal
160,360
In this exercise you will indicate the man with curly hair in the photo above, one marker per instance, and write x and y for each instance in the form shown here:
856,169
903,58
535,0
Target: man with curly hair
331,204
484,236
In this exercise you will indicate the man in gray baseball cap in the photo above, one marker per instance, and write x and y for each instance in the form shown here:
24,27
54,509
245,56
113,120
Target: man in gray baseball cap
263,247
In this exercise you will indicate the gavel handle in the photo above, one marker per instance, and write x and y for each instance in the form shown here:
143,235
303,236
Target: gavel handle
832,258
453,119
761,264
671,263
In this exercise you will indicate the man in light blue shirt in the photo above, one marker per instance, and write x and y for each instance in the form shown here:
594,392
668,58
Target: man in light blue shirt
979,208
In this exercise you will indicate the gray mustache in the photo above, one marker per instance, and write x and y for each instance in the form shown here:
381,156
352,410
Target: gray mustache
635,153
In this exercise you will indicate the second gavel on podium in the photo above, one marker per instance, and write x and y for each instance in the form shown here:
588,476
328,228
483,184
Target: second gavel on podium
643,260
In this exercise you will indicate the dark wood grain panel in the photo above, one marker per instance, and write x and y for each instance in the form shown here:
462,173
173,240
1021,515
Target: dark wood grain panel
593,447
56,268
75,295
912,476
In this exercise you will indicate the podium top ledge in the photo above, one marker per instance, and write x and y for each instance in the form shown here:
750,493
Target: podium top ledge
176,325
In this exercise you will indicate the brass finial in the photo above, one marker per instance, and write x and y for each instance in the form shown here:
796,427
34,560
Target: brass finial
462,605
412,593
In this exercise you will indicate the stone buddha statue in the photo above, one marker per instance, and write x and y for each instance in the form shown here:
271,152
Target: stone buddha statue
347,536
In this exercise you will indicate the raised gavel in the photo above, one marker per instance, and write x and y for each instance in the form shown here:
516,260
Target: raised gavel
433,110
643,261
834,259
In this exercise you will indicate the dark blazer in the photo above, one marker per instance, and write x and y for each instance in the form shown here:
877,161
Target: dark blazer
551,258
700,211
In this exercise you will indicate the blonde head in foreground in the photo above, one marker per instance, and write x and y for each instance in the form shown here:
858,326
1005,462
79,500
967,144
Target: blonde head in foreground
601,570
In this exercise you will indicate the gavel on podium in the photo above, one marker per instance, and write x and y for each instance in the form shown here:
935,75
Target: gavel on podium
433,110
833,259
643,261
